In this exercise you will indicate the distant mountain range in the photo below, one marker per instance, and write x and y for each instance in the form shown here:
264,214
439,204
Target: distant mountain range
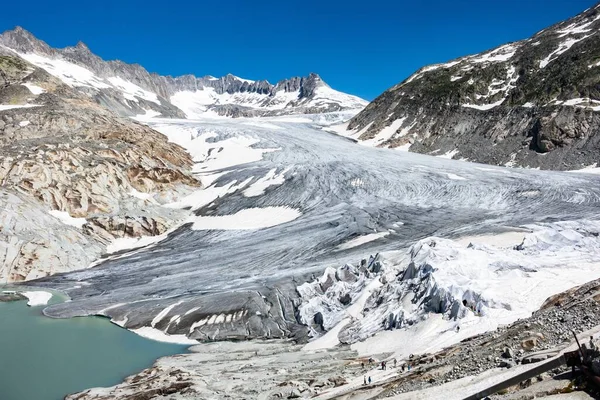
533,103
130,90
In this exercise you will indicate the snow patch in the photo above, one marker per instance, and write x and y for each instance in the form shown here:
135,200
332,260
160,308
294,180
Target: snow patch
160,336
362,240
37,298
66,218
271,179
34,88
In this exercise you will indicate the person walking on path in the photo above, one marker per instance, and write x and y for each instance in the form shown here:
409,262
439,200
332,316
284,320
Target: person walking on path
369,380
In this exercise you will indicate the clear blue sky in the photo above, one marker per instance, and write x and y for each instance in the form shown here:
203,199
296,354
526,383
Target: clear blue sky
360,47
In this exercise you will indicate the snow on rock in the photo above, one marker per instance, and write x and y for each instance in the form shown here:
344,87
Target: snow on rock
66,218
385,134
37,298
247,219
69,73
23,124
502,53
562,47
11,106
449,154
131,91
34,88
484,107
422,291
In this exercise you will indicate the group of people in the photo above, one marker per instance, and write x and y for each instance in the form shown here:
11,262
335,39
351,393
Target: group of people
367,379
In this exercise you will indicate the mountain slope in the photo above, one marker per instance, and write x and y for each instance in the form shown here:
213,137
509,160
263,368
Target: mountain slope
532,103
77,170
130,90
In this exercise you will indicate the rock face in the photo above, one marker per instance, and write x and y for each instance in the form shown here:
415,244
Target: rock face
130,90
532,103
101,176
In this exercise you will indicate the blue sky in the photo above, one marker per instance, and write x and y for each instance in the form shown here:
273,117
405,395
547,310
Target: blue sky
361,47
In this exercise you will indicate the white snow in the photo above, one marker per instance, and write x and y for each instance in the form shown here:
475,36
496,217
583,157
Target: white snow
455,78
455,177
34,88
120,244
528,105
594,65
484,107
449,154
271,179
154,334
163,313
69,73
202,197
37,298
246,219
590,169
386,133
562,47
506,284
325,95
242,79
362,240
502,53
11,106
575,29
404,147
216,155
23,124
131,91
66,218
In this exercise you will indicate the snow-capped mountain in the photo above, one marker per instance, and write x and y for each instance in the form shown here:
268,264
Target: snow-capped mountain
532,103
130,90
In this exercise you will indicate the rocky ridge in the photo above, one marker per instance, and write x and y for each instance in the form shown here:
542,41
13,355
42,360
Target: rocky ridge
76,169
532,103
130,90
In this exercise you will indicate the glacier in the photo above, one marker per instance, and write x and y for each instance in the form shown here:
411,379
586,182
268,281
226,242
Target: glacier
349,202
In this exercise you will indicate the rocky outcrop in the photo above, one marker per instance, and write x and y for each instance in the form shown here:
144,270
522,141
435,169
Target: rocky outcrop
34,244
130,90
532,103
65,153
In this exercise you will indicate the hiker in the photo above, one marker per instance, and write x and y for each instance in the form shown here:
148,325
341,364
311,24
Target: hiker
403,366
369,380
362,365
395,362
364,380
457,328
409,367
592,345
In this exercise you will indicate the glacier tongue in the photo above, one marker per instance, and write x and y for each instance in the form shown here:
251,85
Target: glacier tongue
498,284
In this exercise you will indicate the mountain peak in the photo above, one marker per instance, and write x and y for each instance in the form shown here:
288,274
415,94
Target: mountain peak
82,46
22,40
